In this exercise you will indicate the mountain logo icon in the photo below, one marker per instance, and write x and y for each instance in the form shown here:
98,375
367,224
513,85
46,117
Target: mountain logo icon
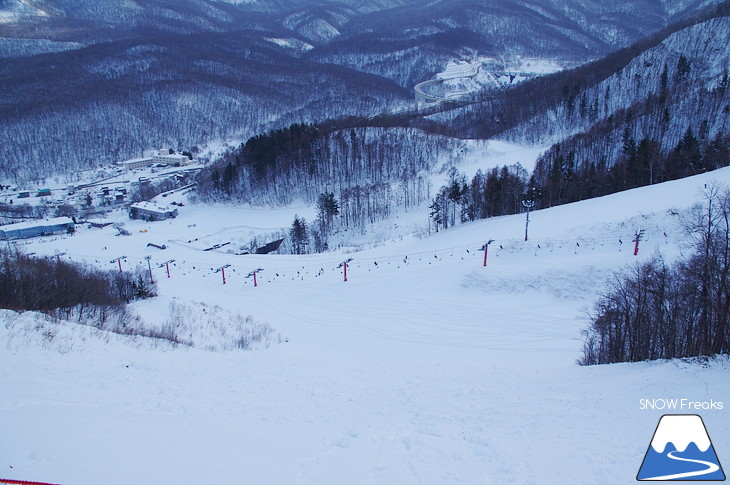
681,450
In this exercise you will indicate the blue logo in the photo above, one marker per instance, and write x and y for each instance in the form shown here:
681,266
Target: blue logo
681,450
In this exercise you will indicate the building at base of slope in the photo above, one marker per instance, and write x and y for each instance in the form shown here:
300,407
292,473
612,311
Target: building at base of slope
41,227
149,211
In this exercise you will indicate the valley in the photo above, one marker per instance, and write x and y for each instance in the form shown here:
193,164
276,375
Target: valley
362,241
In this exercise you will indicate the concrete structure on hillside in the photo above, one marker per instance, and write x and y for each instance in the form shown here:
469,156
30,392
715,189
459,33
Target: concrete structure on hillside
161,156
42,227
137,163
174,159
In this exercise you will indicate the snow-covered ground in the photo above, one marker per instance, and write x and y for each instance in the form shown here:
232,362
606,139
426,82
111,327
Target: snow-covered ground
425,367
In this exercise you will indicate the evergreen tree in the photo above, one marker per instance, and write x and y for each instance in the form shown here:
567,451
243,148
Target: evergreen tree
435,213
456,190
683,68
689,154
664,83
533,193
327,209
229,174
299,236
215,178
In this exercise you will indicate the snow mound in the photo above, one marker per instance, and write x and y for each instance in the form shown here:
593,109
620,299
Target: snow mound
192,325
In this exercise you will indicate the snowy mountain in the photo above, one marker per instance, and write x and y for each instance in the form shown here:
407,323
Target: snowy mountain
645,114
408,351
410,42
654,72
190,72
108,102
425,367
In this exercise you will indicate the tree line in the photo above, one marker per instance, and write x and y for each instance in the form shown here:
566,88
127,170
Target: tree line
500,191
656,310
564,177
371,170
65,289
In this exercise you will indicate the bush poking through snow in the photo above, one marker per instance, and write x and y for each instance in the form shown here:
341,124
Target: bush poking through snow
213,328
68,292
193,325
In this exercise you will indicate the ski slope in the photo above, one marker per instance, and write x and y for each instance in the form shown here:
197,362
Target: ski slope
425,367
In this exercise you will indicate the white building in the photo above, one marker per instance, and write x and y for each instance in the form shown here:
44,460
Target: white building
176,159
137,163
43,227
162,156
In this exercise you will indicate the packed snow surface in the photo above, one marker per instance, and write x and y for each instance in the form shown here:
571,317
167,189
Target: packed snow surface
425,367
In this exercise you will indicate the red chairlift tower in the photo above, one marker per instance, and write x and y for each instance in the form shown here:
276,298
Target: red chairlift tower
253,273
485,248
344,265
119,260
166,264
638,237
222,270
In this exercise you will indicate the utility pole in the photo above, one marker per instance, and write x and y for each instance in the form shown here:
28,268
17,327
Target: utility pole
253,273
222,270
527,204
149,265
344,265
638,237
166,264
485,248
119,260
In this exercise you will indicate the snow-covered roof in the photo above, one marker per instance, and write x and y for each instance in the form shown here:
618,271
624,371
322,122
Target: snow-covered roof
136,160
175,156
55,221
151,206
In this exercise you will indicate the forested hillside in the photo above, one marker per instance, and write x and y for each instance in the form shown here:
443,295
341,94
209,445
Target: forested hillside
410,44
653,112
665,116
373,171
109,102
84,84
656,111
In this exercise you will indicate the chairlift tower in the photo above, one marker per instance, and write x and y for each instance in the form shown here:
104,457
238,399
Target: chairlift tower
638,237
344,265
166,264
253,273
485,248
118,260
222,270
149,266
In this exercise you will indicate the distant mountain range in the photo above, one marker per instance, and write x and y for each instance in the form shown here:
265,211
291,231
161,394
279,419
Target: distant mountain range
657,110
87,82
